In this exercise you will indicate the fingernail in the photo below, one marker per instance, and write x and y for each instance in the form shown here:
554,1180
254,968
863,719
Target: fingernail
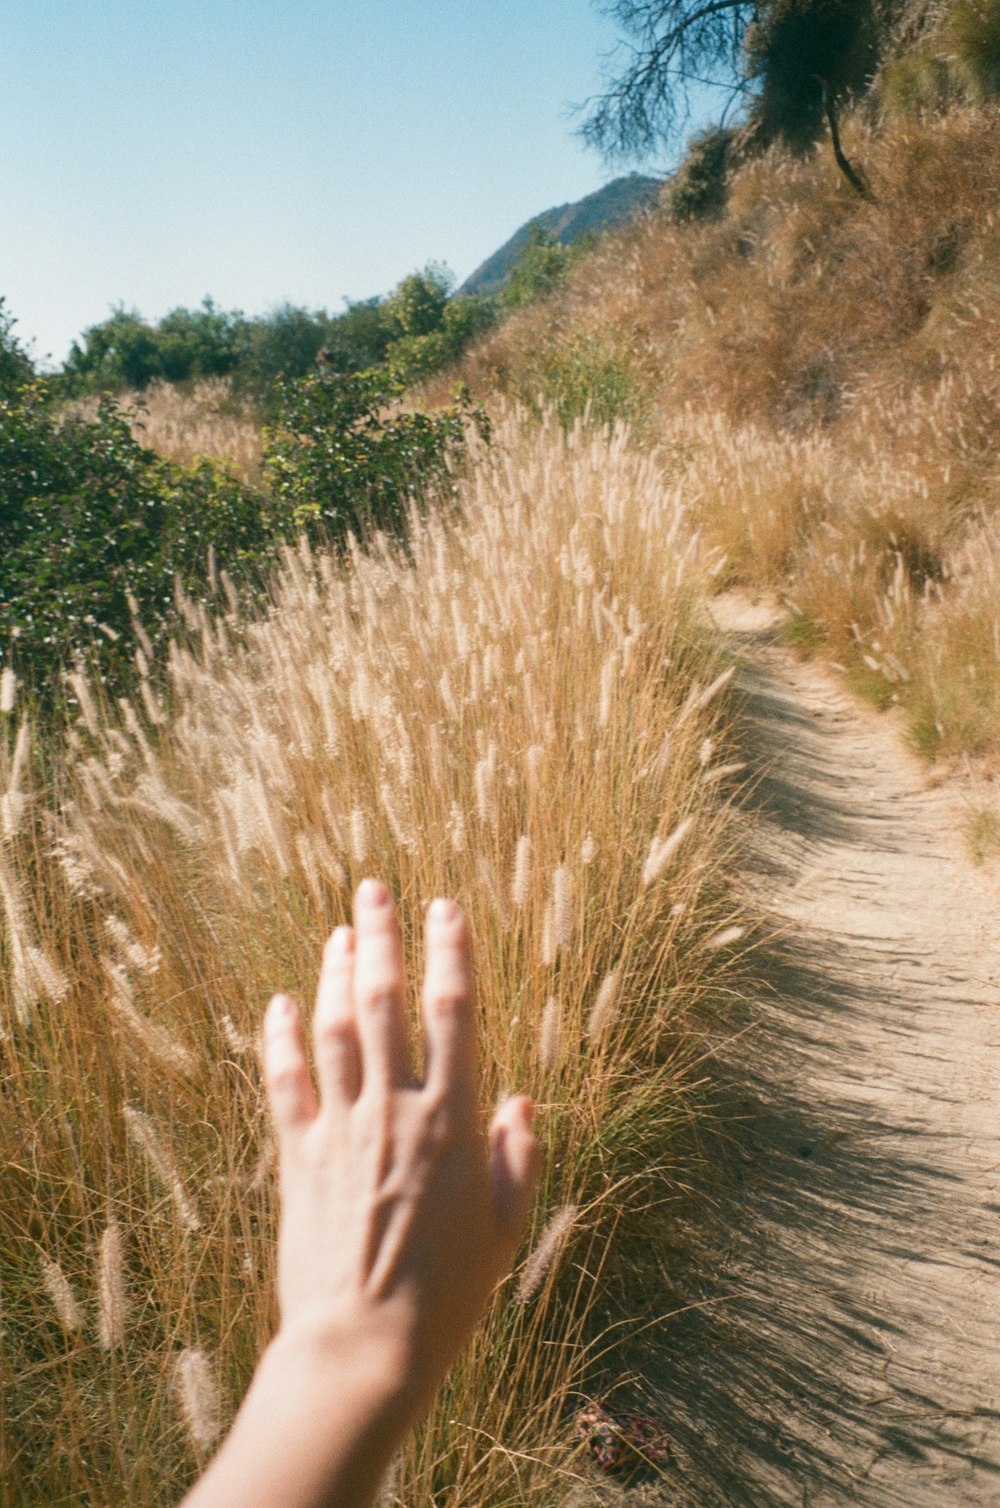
442,910
342,939
372,893
279,1010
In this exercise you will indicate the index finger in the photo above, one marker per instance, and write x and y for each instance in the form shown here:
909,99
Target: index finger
449,1004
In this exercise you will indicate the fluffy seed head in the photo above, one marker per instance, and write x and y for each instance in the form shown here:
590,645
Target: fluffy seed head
198,1396
549,1037
563,910
110,1289
521,881
604,1006
547,1248
723,939
359,837
58,1288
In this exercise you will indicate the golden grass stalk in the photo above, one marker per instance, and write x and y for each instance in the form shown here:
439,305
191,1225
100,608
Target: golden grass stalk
181,870
64,1300
149,1141
110,1288
542,1257
199,1397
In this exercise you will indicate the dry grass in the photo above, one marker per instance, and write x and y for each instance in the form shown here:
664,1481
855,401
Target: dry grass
821,373
183,425
522,710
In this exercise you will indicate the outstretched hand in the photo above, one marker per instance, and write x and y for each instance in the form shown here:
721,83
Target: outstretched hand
395,1222
398,1216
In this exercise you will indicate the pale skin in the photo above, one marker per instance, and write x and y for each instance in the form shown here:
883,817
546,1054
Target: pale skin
398,1216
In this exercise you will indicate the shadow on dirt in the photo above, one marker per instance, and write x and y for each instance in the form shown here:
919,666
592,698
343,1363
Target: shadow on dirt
771,1374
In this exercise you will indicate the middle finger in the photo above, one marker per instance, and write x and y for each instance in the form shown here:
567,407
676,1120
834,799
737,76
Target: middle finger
379,990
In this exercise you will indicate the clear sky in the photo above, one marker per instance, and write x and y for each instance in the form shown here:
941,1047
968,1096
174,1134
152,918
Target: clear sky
155,151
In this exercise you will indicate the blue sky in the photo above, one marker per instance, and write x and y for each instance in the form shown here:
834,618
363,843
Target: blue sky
152,153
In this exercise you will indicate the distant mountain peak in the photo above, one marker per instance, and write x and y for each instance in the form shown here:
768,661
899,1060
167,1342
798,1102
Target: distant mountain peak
617,201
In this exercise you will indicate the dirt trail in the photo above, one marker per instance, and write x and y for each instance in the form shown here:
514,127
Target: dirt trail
848,1347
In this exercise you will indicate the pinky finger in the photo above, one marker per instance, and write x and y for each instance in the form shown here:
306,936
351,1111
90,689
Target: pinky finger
515,1163
290,1092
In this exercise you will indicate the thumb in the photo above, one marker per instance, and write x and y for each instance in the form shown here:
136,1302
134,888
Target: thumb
515,1162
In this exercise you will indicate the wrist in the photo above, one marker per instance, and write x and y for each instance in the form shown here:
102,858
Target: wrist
364,1368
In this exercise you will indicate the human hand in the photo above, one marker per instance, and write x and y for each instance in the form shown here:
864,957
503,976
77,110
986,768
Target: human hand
397,1217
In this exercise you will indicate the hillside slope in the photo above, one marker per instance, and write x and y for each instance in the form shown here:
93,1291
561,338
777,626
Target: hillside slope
606,207
822,369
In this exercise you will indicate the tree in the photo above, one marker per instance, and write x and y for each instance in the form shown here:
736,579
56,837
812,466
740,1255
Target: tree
667,47
540,268
416,305
15,364
791,62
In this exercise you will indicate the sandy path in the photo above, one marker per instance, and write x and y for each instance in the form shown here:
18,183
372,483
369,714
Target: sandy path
848,1350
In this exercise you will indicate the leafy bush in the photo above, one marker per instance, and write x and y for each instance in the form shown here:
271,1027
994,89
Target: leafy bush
426,327
286,342
93,522
89,518
126,351
540,270
15,363
971,45
336,461
585,376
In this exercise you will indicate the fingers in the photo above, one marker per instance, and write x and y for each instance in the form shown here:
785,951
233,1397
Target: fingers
335,1037
515,1161
290,1092
379,990
449,1016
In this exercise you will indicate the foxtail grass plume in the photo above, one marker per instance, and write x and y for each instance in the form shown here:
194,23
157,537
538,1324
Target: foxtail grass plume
59,1290
199,1397
550,1035
605,1004
146,1137
541,1259
110,1289
723,939
521,881
660,853
563,911
359,837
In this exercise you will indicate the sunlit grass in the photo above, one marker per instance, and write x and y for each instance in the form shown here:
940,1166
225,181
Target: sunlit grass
518,708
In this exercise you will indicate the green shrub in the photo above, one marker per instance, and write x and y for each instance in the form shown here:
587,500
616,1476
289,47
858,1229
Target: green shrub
125,351
93,522
539,271
15,364
970,43
586,376
338,461
428,329
916,82
89,517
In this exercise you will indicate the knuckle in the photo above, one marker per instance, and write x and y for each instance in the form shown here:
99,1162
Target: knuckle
284,1079
447,1000
378,998
334,1032
439,1129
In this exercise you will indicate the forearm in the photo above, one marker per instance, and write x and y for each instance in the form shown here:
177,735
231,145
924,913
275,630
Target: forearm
317,1429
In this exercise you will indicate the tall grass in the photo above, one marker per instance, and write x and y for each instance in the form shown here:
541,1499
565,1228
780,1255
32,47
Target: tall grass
820,372
183,424
520,708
